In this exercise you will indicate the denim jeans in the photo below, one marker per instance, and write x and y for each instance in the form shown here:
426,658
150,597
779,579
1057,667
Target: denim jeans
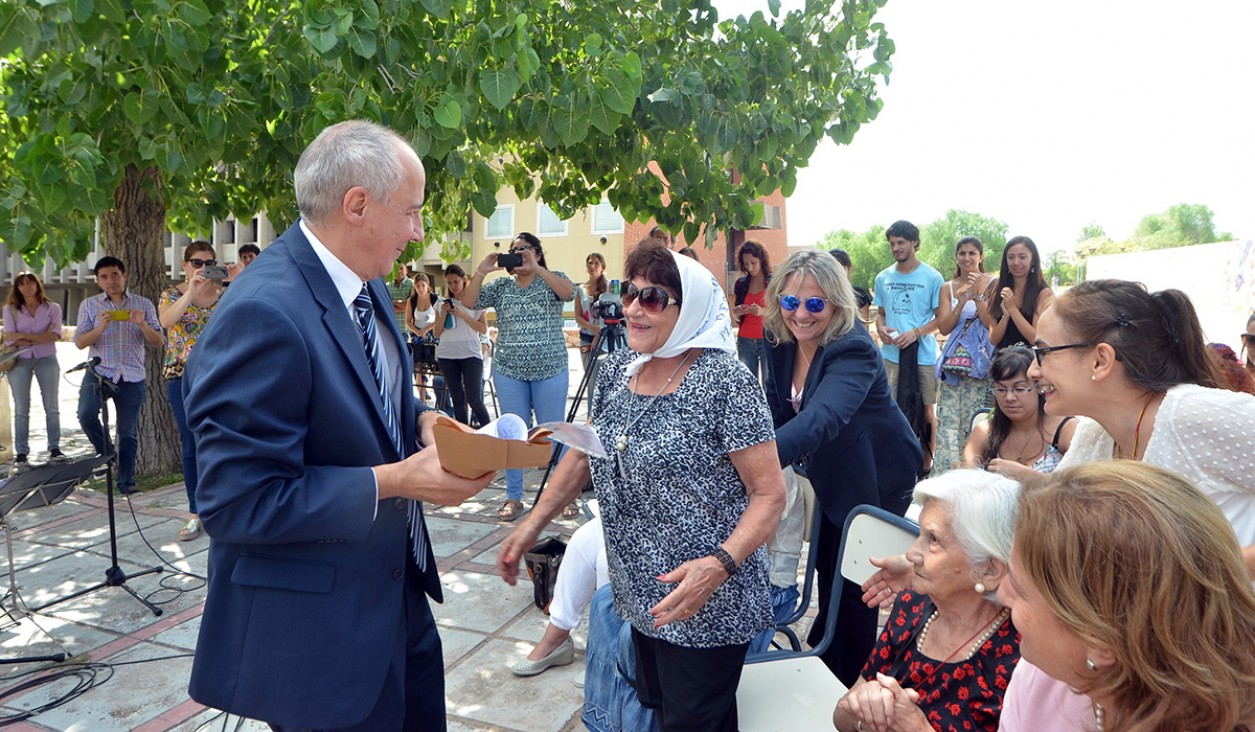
753,353
610,701
783,603
547,399
464,378
174,390
48,373
128,397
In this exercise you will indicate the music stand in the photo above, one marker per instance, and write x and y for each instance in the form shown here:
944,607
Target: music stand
45,485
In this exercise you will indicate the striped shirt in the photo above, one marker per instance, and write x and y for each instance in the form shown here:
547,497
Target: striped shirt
121,347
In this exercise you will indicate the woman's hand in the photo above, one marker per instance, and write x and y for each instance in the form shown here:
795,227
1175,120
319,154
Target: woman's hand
198,285
530,264
1010,469
512,549
894,576
975,280
698,578
1008,300
489,264
883,705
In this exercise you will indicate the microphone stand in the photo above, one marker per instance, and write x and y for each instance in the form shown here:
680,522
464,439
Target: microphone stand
114,575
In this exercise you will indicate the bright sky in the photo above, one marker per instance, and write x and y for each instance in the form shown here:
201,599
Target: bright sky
1049,116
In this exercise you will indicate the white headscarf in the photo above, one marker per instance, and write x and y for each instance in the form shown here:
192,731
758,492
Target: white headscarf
704,321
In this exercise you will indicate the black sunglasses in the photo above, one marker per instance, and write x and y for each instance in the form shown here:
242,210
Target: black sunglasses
1040,351
1249,338
653,299
813,304
198,263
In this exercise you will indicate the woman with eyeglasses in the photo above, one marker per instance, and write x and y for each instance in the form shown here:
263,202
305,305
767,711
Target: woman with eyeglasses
32,323
835,417
690,490
1019,438
184,311
963,369
529,369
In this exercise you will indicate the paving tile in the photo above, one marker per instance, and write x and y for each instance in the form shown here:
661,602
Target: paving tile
483,689
457,643
449,536
481,602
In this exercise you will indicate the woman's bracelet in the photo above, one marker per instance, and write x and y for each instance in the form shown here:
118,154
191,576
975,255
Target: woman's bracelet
729,565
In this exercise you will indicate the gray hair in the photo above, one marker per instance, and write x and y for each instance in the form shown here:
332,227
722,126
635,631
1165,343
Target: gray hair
832,280
982,511
344,156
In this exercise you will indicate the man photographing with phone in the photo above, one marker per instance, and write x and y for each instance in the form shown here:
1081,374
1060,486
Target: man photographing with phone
116,325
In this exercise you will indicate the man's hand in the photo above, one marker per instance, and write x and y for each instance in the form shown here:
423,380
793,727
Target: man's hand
426,423
904,340
421,478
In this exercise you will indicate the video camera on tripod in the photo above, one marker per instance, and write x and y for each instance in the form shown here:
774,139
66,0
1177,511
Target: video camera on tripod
608,307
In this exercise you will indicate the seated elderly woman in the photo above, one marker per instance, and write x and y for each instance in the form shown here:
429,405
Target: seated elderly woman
690,490
1136,611
948,649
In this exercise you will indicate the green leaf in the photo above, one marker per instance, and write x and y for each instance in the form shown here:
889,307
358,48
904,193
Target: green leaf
448,113
139,109
455,164
194,13
774,7
571,127
438,8
499,86
663,96
81,10
601,116
362,43
18,28
322,38
592,44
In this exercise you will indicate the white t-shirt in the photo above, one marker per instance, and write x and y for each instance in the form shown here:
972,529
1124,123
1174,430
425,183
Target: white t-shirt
461,341
1205,435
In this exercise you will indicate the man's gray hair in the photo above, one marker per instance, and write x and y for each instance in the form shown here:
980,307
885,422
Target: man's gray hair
982,510
345,155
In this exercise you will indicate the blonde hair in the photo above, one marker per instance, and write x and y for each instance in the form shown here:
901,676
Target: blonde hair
831,279
1133,558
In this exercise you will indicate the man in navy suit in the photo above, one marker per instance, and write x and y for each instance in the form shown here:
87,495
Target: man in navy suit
319,569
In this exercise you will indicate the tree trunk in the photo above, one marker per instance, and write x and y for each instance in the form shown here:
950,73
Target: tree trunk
134,231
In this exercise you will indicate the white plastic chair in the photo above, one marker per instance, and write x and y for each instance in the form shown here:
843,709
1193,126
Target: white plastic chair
793,690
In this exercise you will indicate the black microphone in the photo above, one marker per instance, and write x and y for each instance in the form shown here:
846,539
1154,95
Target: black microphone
90,363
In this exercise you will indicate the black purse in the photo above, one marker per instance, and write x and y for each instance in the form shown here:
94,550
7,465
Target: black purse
542,562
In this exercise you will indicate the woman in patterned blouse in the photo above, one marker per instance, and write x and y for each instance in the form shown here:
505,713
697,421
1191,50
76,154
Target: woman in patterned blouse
690,490
948,649
529,369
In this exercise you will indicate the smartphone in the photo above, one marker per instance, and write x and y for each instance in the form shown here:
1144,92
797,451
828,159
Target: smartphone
217,273
509,260
119,314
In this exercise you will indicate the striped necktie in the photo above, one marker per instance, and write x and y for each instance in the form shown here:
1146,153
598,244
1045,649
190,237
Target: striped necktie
365,309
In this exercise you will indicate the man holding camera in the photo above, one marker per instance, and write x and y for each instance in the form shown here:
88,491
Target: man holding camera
115,326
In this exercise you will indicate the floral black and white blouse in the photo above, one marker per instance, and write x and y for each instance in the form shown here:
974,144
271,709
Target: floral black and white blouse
674,495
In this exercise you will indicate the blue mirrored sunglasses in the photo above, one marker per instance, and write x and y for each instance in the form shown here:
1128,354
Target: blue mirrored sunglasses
813,304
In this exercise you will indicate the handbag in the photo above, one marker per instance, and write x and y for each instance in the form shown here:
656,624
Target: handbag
960,360
542,562
8,357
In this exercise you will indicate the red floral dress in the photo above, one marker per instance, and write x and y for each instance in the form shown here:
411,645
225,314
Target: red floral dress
955,697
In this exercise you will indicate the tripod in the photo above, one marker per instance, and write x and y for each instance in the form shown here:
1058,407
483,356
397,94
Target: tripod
612,335
114,575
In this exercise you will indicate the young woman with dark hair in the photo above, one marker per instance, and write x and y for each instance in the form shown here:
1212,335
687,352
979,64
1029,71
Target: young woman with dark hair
1010,307
749,304
461,360
1019,438
32,322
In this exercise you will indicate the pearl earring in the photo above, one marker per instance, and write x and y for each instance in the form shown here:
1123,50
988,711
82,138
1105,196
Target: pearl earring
1093,378
1089,662
980,588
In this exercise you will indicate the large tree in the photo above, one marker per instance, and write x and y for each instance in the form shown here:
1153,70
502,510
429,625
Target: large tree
938,239
148,115
868,250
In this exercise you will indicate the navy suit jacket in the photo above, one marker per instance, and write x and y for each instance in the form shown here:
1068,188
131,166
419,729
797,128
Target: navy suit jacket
857,446
307,569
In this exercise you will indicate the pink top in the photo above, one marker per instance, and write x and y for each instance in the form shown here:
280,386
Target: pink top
17,321
1035,702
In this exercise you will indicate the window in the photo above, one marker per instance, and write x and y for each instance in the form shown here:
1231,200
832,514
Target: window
548,222
501,223
606,220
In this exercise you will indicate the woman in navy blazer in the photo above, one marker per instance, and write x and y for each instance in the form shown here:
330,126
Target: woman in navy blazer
835,417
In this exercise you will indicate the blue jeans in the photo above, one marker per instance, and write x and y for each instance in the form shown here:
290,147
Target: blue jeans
753,353
48,373
783,603
610,701
174,390
128,397
546,398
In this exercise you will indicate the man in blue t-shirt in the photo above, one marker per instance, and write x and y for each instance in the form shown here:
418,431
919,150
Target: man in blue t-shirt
906,298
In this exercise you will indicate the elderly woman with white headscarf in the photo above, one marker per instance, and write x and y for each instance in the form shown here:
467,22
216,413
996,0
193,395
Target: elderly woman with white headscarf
690,491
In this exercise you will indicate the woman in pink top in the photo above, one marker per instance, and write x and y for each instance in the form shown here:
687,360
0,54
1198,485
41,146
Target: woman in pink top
33,322
749,294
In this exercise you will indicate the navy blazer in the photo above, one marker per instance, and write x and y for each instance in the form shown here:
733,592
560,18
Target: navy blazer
307,569
857,446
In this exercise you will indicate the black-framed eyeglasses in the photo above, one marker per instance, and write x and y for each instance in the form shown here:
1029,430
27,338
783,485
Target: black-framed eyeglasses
1019,391
813,304
197,263
519,250
653,299
1039,351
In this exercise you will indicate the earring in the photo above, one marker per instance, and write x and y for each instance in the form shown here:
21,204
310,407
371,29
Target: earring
1093,378
1031,270
1089,663
980,588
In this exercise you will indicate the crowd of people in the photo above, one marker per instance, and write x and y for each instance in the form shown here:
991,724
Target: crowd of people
1081,462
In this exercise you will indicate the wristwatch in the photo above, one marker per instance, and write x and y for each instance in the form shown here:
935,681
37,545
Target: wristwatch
980,298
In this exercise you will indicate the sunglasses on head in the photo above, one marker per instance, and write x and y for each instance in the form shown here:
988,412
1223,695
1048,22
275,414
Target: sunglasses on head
813,304
198,263
652,299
